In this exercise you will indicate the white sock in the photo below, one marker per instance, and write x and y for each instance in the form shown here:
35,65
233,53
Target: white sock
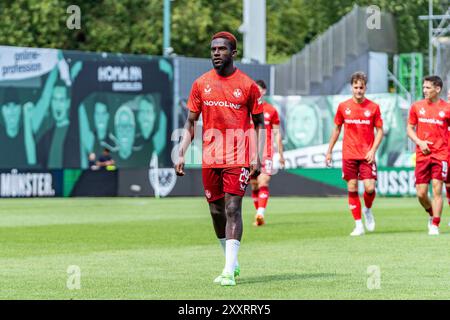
223,244
261,211
231,253
358,223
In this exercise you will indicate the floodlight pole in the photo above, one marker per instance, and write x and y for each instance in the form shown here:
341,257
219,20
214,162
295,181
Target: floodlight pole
431,36
166,28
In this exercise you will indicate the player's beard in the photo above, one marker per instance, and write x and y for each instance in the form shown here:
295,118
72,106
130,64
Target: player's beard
225,63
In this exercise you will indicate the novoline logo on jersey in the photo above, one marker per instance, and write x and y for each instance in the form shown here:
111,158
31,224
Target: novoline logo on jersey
226,104
431,121
357,121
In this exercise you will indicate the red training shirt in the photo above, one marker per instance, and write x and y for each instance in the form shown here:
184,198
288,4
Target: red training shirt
431,121
226,104
359,120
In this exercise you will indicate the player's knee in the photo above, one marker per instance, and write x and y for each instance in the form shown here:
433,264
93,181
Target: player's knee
437,194
369,189
422,194
352,185
216,212
232,209
263,180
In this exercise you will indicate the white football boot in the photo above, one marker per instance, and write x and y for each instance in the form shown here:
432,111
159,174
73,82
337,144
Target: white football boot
434,230
359,229
369,220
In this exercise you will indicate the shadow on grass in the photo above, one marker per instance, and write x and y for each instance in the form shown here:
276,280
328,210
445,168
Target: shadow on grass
285,277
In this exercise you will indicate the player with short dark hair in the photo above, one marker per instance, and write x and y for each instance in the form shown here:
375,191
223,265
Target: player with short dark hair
360,117
226,98
428,124
260,184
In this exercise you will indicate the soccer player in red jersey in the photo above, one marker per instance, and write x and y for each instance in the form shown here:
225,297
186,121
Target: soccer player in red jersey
428,124
226,98
260,184
360,118
447,182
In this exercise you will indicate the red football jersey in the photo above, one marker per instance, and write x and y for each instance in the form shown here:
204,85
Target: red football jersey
359,120
431,121
448,144
226,104
271,118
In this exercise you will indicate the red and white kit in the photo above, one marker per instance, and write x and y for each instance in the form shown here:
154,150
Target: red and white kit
226,105
431,121
359,121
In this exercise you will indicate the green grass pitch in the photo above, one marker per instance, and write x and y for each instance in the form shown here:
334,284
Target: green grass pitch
143,248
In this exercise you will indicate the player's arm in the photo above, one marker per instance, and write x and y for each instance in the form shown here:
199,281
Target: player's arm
188,136
333,139
370,156
423,144
279,142
258,121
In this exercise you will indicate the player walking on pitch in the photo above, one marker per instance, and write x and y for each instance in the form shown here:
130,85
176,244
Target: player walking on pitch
260,184
428,124
447,182
226,98
360,117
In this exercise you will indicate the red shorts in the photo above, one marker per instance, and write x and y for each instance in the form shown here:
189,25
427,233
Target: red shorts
448,175
266,168
218,181
430,168
358,169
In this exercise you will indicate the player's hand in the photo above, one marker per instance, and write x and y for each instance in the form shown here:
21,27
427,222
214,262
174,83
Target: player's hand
255,168
370,156
282,161
179,167
328,159
423,145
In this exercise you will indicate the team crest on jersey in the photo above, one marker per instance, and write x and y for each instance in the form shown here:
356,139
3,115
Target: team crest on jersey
441,114
422,111
237,93
348,111
367,113
208,89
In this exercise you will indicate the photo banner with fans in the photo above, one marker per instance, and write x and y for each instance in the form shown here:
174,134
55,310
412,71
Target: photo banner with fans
60,108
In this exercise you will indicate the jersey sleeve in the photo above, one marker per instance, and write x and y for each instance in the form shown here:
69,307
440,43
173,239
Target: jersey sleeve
412,119
275,118
194,103
378,121
338,118
255,103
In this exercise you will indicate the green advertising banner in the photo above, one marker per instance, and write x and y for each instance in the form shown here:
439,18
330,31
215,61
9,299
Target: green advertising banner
391,182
